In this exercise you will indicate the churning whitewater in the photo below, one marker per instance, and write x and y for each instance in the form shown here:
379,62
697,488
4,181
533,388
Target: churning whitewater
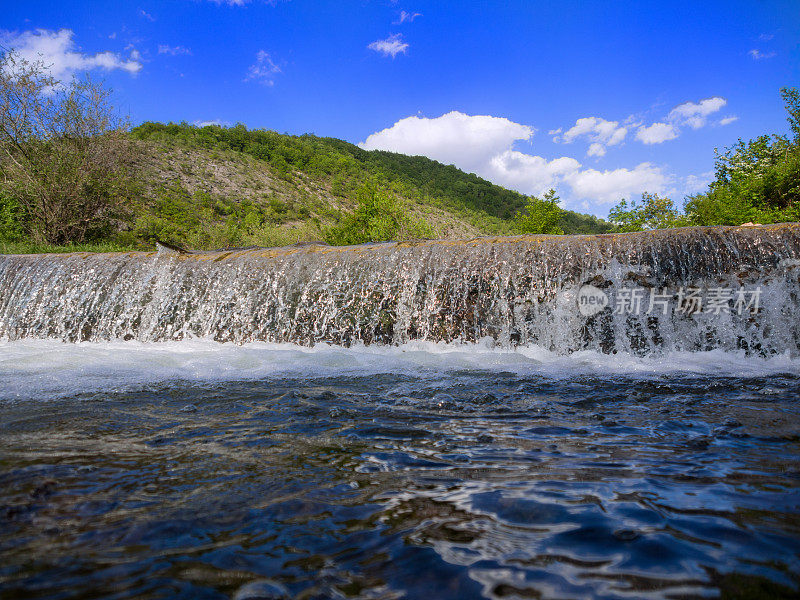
48,369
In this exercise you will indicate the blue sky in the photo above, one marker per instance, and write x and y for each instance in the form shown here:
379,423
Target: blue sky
601,100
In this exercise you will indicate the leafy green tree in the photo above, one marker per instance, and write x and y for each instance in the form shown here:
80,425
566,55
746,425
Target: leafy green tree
62,152
654,212
540,215
378,217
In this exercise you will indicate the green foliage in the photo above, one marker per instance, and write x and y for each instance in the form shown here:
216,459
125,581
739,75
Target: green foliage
196,220
654,212
756,181
540,215
13,224
201,221
378,217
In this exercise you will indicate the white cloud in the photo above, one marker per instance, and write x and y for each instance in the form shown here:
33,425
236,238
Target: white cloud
264,69
600,132
759,55
656,133
146,15
695,114
608,187
691,114
484,145
242,2
57,50
528,174
596,149
173,50
391,46
406,17
728,120
469,142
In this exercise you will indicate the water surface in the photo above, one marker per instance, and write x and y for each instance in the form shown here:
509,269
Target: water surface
204,470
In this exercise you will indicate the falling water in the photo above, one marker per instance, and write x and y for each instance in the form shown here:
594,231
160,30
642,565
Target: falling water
514,290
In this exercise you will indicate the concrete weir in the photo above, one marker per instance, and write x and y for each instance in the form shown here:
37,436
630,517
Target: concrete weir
733,288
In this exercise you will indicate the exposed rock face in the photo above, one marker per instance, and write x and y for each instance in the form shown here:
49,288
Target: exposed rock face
681,289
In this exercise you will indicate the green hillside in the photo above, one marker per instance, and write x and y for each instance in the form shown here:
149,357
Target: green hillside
279,188
215,187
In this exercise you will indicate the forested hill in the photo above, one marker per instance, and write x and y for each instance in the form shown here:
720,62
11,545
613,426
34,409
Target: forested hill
309,180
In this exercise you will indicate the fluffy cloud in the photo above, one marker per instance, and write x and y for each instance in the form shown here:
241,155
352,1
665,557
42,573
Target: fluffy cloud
600,132
58,51
263,70
217,122
695,114
470,142
656,133
528,174
484,145
173,50
242,2
608,187
391,46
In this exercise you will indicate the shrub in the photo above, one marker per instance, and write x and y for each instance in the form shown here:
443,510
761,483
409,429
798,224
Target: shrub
12,219
540,215
378,217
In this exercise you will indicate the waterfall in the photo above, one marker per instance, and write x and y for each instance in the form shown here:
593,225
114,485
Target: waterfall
733,288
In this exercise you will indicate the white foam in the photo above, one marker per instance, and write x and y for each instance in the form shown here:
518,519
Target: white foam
31,369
